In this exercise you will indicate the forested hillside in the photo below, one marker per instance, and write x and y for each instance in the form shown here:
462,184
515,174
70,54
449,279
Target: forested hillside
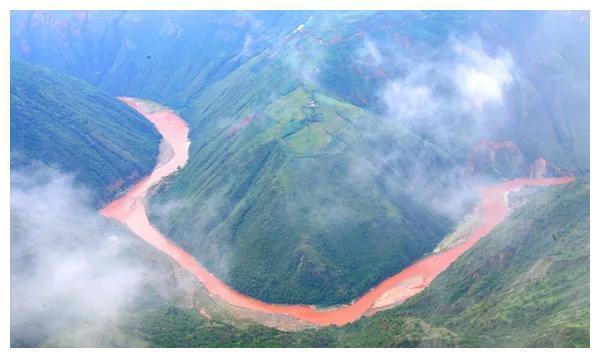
351,55
282,206
527,284
524,285
139,53
329,150
66,123
299,191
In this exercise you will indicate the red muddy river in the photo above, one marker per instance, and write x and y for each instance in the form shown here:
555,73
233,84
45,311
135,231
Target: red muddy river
130,210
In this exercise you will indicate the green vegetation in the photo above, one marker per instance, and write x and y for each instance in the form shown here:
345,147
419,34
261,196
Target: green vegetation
174,58
525,285
161,324
285,209
66,123
317,198
297,190
299,187
167,57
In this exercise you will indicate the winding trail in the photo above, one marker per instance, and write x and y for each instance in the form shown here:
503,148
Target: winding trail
130,210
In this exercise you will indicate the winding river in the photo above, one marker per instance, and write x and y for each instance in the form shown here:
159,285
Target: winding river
130,210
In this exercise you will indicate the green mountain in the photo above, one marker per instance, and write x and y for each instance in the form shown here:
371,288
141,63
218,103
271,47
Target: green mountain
139,53
279,202
66,123
332,149
297,191
174,57
526,284
304,184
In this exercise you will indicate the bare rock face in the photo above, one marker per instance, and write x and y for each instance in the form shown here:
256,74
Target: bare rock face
504,159
541,168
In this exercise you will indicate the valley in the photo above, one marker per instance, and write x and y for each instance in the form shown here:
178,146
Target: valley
130,209
299,178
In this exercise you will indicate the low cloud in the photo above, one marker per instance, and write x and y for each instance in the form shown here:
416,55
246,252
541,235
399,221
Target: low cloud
372,53
461,86
481,79
304,64
303,55
247,47
204,235
434,114
71,270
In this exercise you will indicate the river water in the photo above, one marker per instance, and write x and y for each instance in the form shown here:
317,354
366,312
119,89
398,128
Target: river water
130,210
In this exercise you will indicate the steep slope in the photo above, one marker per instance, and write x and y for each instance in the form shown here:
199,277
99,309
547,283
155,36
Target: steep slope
526,284
276,204
139,53
66,123
276,183
351,55
297,186
546,106
297,192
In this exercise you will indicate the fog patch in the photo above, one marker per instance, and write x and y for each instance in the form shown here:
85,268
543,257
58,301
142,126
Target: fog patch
165,153
71,272
303,56
304,64
201,231
247,46
461,87
369,53
434,114
481,78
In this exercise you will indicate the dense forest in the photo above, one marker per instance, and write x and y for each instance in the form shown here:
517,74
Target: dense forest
63,122
329,150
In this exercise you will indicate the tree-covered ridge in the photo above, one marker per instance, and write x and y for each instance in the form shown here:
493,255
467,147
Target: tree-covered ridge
139,53
527,284
285,210
299,190
64,122
287,108
351,55
524,285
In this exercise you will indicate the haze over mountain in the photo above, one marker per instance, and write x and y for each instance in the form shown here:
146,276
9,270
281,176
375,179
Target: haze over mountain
330,150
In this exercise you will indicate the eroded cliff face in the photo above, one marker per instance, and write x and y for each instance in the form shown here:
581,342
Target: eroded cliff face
504,160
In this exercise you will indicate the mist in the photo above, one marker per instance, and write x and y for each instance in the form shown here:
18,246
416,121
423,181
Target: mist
71,272
448,102
205,232
461,88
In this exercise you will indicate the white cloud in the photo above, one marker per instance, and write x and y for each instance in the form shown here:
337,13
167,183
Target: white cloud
70,270
247,48
481,79
407,100
453,98
461,82
303,64
373,52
